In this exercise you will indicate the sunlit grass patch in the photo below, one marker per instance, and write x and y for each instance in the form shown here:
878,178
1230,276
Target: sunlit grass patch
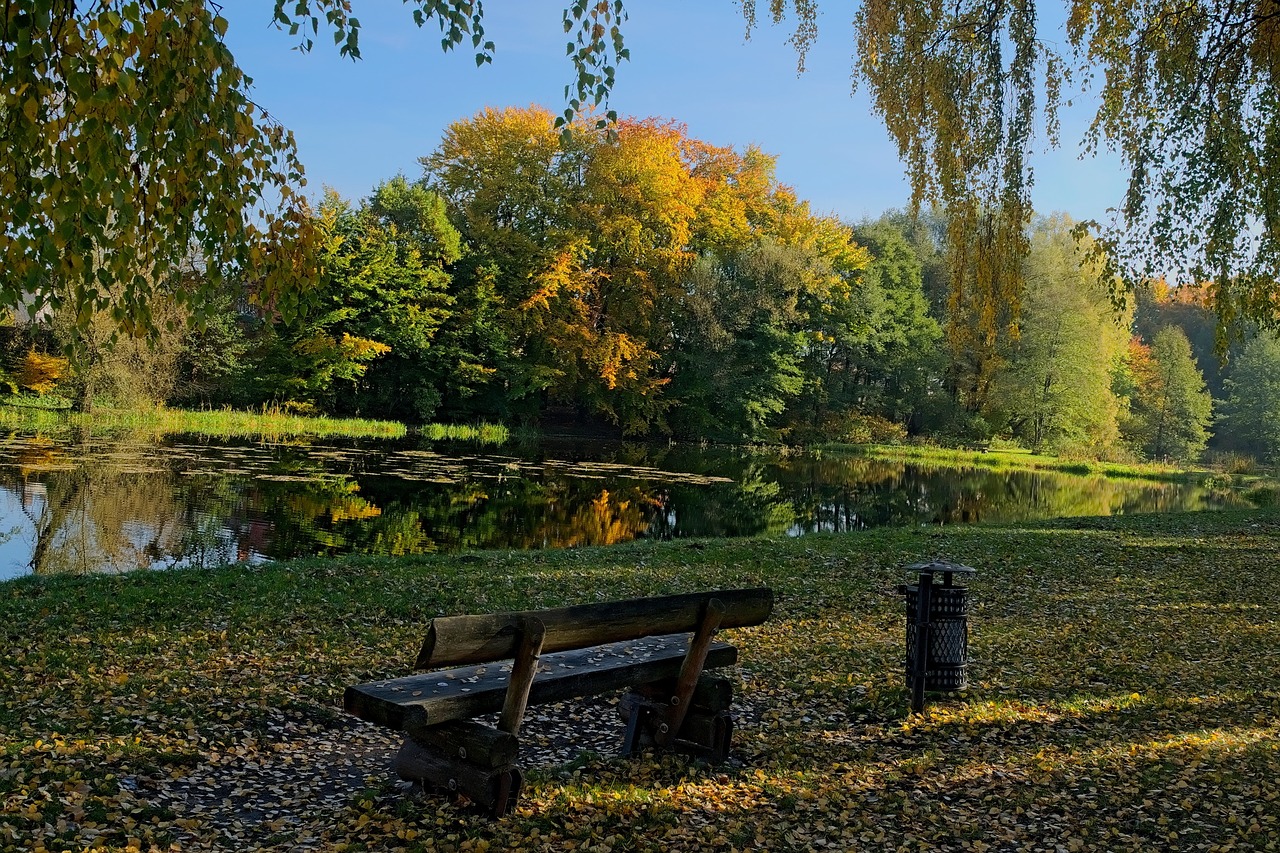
267,423
999,458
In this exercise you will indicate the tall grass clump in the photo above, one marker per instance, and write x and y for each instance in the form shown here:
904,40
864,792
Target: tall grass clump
268,423
1014,459
483,433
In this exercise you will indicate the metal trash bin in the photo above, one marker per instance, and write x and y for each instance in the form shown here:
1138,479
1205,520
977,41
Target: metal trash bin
937,630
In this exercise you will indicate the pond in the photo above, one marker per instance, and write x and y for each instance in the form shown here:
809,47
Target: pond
93,503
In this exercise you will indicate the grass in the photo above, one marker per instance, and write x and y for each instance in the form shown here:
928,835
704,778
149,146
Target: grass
1000,458
268,423
1123,696
483,433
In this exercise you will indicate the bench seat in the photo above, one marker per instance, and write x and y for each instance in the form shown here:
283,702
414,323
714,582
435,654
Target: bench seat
463,692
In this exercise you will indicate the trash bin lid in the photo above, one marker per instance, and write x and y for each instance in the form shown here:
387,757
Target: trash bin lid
942,566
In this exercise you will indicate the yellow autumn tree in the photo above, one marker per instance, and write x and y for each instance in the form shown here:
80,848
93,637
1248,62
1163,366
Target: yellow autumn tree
41,372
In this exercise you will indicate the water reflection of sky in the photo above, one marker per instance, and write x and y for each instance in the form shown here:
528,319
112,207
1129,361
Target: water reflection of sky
107,505
17,533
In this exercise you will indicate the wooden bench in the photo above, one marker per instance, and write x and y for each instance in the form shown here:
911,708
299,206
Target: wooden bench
503,662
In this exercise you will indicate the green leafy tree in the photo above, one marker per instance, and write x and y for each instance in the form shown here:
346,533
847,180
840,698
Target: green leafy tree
376,298
213,358
130,140
1170,408
472,354
1250,419
737,364
884,346
774,286
1054,388
390,270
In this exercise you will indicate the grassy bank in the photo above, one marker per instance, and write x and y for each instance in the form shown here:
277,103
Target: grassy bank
1124,698
1020,459
226,423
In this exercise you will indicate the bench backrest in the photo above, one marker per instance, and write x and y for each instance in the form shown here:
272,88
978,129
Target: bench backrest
459,640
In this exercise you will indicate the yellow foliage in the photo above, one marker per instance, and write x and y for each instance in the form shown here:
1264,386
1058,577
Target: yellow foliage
41,372
361,349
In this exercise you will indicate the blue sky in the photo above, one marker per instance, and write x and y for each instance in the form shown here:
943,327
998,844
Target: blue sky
359,123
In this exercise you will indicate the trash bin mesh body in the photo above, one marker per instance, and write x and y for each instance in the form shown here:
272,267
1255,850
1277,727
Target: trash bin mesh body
948,636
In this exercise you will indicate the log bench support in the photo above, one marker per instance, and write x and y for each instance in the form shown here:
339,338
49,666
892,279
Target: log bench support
705,732
517,659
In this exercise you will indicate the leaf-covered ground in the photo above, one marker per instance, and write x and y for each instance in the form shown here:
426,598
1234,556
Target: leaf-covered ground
1126,696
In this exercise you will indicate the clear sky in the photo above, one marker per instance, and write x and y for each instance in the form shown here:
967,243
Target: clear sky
359,123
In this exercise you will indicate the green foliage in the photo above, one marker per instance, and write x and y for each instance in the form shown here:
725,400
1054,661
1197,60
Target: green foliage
1185,95
377,299
1054,388
1171,409
1250,419
116,108
389,271
214,352
130,142
877,350
739,364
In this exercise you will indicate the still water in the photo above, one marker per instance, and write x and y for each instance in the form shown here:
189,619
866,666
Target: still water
94,503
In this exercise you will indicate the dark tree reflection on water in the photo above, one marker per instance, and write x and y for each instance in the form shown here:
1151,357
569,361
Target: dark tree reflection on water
92,504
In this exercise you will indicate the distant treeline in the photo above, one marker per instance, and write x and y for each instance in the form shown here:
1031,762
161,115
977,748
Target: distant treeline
645,282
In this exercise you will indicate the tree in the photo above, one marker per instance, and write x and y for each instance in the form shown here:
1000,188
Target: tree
131,135
1190,308
1250,418
1054,388
123,372
1171,410
502,176
377,297
1187,96
869,344
390,270
737,365
129,140
584,237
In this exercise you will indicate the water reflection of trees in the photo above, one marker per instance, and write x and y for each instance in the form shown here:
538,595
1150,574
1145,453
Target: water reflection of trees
89,513
852,494
115,507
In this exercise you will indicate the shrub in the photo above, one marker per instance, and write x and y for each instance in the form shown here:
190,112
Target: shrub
40,372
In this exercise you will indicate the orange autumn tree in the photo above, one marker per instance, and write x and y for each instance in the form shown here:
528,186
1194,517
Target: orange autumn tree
641,276
587,234
637,206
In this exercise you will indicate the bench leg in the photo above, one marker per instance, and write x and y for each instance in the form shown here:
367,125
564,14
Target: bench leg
705,734
638,725
496,789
